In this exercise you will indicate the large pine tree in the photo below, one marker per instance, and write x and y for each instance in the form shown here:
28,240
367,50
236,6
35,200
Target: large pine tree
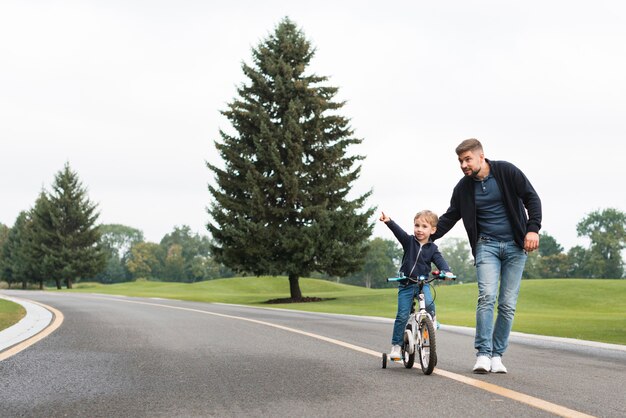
281,202
66,231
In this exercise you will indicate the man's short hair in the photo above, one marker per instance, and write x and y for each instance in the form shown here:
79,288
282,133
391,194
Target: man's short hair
471,144
430,216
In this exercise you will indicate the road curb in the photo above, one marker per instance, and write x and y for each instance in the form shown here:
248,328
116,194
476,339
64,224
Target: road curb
515,336
36,320
521,337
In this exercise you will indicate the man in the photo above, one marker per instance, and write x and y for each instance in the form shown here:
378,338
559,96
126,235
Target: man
501,213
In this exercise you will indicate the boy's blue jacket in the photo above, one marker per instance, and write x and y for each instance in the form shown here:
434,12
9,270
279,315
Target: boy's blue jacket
411,265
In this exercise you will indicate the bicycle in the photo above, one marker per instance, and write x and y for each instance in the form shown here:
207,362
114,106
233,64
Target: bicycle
419,333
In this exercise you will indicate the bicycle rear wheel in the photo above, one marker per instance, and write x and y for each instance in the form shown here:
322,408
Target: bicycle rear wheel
427,346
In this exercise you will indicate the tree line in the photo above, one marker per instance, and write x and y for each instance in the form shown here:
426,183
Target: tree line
59,242
181,256
605,230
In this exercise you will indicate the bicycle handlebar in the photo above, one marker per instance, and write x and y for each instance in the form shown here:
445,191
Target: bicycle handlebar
435,275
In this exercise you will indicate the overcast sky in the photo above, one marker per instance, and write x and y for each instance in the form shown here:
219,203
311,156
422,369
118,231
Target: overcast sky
129,93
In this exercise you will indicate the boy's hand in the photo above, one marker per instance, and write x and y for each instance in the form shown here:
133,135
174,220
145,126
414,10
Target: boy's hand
384,218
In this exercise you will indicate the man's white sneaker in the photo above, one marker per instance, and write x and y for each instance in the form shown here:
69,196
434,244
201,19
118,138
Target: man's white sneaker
483,365
497,366
395,353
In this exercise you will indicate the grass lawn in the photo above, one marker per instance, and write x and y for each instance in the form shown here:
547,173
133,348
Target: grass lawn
10,313
574,308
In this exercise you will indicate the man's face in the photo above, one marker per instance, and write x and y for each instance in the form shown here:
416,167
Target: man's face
471,162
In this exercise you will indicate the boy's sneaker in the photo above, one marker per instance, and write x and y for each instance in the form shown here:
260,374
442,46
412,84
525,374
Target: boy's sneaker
497,366
395,353
435,322
483,365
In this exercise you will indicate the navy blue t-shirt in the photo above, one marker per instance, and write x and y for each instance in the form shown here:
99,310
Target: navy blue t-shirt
490,211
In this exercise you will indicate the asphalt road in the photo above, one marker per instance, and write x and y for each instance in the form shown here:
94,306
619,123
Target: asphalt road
131,357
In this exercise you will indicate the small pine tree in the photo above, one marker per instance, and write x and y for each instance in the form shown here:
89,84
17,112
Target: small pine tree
281,205
5,268
66,231
21,262
14,266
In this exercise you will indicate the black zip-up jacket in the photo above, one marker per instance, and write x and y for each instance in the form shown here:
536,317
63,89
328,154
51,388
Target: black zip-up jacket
518,196
412,265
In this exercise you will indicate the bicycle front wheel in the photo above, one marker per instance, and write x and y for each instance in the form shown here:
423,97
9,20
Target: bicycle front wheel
426,345
407,349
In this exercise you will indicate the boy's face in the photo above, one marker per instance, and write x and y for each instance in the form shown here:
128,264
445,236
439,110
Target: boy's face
423,229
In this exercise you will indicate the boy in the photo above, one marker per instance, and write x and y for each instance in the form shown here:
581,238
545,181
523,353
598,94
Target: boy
419,253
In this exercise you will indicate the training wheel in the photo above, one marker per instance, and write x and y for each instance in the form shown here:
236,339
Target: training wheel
384,360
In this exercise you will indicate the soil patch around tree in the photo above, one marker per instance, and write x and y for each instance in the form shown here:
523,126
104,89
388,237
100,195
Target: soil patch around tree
300,300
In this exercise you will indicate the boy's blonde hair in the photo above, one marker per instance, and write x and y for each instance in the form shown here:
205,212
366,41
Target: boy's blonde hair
430,216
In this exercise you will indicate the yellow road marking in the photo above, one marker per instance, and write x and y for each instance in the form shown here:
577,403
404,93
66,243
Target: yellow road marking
511,394
56,322
489,387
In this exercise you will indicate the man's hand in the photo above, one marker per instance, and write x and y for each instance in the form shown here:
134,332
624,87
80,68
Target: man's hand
531,242
384,218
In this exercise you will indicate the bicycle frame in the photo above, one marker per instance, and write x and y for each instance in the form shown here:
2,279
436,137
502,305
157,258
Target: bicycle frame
417,316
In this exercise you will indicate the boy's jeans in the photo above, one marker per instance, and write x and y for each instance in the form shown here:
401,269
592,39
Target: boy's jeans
406,293
504,262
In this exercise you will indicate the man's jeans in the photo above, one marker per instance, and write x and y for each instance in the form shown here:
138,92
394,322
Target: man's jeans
406,293
504,262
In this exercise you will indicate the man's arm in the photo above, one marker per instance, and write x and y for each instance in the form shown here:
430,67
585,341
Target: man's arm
526,192
532,203
448,219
